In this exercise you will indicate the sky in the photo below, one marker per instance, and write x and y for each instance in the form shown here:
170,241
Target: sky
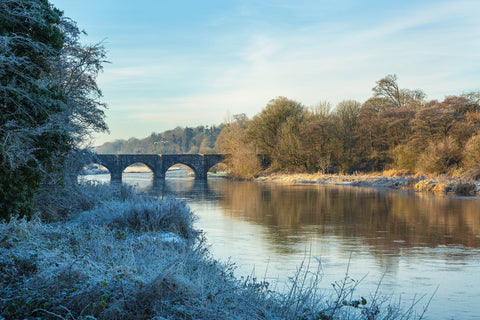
190,63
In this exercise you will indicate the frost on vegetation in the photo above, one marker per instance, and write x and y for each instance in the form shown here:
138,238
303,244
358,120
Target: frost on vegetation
64,203
69,271
101,269
444,185
49,99
143,215
112,262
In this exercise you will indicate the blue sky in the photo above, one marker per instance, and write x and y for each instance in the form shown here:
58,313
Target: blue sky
189,63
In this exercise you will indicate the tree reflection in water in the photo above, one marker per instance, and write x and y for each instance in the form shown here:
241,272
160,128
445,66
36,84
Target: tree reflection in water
387,219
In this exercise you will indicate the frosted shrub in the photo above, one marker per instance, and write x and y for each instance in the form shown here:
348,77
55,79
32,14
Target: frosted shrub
60,203
143,215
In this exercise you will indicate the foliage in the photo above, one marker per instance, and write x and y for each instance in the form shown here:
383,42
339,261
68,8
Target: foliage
346,116
93,265
388,89
276,129
440,157
31,140
317,136
143,215
76,71
404,158
464,189
471,153
49,97
242,161
59,203
435,122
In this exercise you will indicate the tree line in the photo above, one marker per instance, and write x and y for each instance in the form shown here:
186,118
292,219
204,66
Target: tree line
394,129
200,139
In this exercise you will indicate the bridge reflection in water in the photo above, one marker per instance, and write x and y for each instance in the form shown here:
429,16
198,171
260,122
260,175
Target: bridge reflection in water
158,163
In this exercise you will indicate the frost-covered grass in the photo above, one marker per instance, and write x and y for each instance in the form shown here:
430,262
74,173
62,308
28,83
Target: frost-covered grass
62,203
131,257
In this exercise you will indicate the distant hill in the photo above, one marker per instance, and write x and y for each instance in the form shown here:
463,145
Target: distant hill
200,139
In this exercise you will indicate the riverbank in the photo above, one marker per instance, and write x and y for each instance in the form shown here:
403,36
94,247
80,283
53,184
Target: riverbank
120,255
392,180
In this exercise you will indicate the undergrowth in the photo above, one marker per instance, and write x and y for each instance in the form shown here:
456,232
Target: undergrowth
118,255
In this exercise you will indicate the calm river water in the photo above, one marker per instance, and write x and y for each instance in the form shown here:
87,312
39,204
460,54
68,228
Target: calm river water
416,242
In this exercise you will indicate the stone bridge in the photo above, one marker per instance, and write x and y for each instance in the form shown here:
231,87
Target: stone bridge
158,163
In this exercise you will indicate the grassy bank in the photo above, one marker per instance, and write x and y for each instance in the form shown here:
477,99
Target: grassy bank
118,255
388,179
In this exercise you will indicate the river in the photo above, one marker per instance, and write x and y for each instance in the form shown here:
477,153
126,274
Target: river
415,244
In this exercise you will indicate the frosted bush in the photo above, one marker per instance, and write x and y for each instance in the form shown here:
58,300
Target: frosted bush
62,203
143,215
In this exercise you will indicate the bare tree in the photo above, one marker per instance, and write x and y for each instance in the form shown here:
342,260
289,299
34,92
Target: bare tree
76,71
388,89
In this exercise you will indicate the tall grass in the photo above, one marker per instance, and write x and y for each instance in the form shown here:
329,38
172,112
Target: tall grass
118,255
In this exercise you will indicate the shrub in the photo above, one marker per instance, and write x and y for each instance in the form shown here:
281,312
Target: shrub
61,203
244,162
404,158
472,174
440,157
439,185
425,185
143,215
471,153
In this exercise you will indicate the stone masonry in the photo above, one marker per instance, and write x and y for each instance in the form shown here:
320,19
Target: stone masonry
159,164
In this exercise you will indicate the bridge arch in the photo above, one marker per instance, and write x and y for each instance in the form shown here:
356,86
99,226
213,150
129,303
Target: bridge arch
187,167
90,168
194,161
140,165
110,162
